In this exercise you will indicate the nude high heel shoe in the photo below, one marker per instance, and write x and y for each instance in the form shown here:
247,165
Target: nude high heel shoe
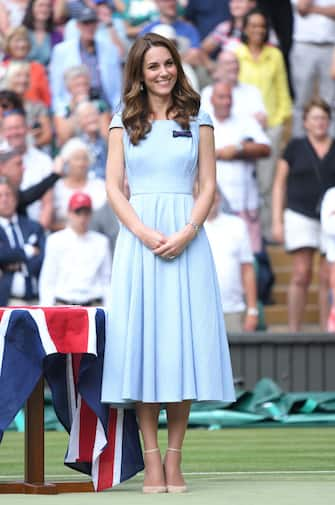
171,488
153,489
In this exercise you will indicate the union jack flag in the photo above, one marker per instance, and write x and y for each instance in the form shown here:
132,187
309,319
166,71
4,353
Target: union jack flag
67,345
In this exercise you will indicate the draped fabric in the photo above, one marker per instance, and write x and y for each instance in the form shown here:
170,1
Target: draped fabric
67,344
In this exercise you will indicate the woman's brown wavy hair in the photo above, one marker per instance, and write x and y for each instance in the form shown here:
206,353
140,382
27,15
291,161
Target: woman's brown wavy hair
135,115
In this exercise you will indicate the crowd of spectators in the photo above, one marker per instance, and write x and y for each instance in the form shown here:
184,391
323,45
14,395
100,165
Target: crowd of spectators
256,64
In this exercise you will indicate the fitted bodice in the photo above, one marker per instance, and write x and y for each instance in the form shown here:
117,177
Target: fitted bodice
166,160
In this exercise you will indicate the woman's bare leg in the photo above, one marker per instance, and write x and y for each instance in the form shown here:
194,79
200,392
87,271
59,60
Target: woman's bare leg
324,284
302,261
147,415
177,415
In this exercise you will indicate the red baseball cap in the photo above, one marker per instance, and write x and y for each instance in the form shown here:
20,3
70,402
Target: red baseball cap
80,201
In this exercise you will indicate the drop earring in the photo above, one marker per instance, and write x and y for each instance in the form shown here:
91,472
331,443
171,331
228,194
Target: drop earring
141,86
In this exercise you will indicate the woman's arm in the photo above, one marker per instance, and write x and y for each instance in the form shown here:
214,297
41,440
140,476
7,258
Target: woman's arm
177,242
278,200
115,175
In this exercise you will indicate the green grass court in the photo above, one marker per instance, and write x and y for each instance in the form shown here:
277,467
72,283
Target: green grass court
249,466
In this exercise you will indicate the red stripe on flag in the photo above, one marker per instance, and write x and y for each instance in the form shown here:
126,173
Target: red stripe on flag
87,431
106,460
68,328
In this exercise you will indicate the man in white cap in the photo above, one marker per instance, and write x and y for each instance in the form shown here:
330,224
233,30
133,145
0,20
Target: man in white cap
77,264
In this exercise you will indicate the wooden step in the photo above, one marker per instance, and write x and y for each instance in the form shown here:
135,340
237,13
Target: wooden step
277,314
279,294
280,258
283,276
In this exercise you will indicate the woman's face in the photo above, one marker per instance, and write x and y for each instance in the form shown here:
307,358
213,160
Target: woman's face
255,29
19,47
317,123
159,71
20,82
42,10
239,8
78,163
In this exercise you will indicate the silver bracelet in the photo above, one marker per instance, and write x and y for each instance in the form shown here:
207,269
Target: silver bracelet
196,227
252,311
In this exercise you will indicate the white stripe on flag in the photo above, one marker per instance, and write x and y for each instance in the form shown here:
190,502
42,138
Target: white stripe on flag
70,388
47,342
118,447
99,443
92,331
3,329
73,447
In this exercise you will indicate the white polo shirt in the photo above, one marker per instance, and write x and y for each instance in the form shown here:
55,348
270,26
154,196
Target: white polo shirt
314,28
229,240
237,178
328,222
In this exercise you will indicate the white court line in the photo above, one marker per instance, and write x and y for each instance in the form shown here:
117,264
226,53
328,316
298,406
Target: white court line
265,472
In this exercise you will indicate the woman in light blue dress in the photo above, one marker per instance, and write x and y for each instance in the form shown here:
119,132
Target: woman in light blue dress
166,341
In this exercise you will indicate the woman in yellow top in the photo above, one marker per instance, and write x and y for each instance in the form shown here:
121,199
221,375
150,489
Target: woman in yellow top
262,65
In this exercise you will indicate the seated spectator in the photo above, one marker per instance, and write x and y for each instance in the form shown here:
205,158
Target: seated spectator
105,221
247,99
231,248
263,66
77,264
77,81
9,100
239,142
11,14
108,27
311,56
17,79
17,48
88,125
100,56
21,251
138,14
187,35
205,15
77,157
328,228
71,9
37,164
11,166
43,36
304,172
227,34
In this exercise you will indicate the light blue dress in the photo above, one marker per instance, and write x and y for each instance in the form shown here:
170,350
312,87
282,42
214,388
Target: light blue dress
165,339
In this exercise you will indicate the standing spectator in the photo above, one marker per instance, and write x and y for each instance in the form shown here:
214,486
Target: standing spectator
263,66
247,99
280,13
231,248
328,228
305,171
77,158
205,15
37,165
77,265
239,142
21,251
77,82
43,36
17,48
311,55
88,124
227,34
187,35
17,79
100,56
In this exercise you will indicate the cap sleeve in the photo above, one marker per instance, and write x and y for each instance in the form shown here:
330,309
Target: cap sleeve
204,119
116,121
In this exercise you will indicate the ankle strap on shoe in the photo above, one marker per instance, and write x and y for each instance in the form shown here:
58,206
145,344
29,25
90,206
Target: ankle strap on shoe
148,451
173,449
